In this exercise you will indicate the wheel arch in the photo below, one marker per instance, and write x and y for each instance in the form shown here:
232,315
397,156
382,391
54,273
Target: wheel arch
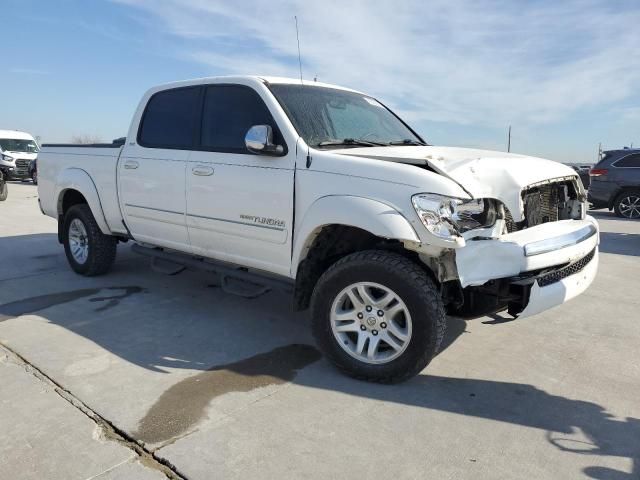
336,226
372,216
74,186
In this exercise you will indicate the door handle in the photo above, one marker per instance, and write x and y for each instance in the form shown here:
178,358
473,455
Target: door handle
202,171
130,164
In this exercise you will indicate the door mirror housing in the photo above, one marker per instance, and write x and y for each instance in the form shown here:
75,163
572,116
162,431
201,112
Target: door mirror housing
259,140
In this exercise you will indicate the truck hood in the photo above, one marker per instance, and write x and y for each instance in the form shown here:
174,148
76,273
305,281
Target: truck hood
481,173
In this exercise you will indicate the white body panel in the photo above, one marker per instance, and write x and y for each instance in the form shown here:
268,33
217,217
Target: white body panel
242,211
55,175
151,194
264,212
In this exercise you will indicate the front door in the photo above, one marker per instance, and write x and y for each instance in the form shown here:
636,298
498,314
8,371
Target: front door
151,170
239,205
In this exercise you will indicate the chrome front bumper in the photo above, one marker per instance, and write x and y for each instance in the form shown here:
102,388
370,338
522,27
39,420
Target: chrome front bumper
563,241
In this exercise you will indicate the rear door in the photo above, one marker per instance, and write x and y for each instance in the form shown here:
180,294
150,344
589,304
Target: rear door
239,205
151,170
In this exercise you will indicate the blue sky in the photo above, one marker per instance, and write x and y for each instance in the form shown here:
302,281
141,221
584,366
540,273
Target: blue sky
565,75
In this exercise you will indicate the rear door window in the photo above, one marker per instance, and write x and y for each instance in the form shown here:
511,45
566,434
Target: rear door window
170,119
228,114
630,161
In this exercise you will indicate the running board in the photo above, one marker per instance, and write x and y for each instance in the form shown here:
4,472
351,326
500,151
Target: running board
172,263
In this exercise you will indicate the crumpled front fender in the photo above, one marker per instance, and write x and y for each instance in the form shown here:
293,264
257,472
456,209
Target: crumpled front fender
373,216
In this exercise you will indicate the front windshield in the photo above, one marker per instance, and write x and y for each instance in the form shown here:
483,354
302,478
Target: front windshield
328,117
18,145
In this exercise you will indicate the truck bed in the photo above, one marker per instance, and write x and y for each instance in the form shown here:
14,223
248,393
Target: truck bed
98,161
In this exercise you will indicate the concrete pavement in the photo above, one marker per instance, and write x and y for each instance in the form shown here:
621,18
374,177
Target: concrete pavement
219,386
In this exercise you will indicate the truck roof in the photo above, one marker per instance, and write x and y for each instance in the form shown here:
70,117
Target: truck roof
15,135
244,78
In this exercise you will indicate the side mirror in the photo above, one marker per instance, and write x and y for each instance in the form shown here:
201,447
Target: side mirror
259,139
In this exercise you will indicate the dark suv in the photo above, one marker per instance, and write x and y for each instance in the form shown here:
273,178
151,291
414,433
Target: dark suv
615,182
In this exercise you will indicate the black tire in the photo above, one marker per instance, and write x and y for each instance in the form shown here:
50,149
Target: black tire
411,283
619,209
34,178
4,190
102,248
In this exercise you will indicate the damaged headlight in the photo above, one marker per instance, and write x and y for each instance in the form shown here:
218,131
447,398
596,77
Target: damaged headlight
448,217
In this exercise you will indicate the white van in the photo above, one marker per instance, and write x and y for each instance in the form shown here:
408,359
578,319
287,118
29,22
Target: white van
17,151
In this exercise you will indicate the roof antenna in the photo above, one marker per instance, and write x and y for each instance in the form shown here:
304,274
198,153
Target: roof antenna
309,159
299,57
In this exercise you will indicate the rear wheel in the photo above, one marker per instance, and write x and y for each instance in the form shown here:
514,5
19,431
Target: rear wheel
627,204
89,251
378,316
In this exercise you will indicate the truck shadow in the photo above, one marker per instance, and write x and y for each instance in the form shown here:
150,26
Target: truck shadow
572,426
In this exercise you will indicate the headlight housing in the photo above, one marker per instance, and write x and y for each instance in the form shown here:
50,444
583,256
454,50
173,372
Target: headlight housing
6,158
449,217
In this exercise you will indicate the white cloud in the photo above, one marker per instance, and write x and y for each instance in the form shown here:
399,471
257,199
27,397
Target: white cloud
467,62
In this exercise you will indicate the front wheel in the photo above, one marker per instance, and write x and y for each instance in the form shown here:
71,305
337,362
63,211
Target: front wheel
4,190
627,204
378,316
34,177
89,251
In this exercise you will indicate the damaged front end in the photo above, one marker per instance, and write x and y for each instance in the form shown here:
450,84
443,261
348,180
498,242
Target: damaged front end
544,258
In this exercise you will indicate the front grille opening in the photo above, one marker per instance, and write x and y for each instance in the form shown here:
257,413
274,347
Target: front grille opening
543,203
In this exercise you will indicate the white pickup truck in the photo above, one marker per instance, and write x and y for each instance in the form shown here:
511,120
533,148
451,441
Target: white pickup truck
324,190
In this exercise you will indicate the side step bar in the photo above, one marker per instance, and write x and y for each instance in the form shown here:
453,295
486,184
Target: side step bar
226,271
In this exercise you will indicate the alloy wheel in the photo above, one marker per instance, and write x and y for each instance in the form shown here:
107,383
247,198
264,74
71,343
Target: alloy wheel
78,241
371,322
630,206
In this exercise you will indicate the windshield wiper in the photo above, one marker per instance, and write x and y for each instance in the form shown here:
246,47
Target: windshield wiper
350,141
406,141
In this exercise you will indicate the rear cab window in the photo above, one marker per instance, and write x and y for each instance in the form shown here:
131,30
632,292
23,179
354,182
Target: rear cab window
170,119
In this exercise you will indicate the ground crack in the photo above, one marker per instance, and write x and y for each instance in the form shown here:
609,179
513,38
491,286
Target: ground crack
111,432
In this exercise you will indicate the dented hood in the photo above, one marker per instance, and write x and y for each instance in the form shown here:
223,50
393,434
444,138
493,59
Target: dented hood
481,173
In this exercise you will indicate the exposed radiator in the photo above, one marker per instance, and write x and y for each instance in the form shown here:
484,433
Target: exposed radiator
542,204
